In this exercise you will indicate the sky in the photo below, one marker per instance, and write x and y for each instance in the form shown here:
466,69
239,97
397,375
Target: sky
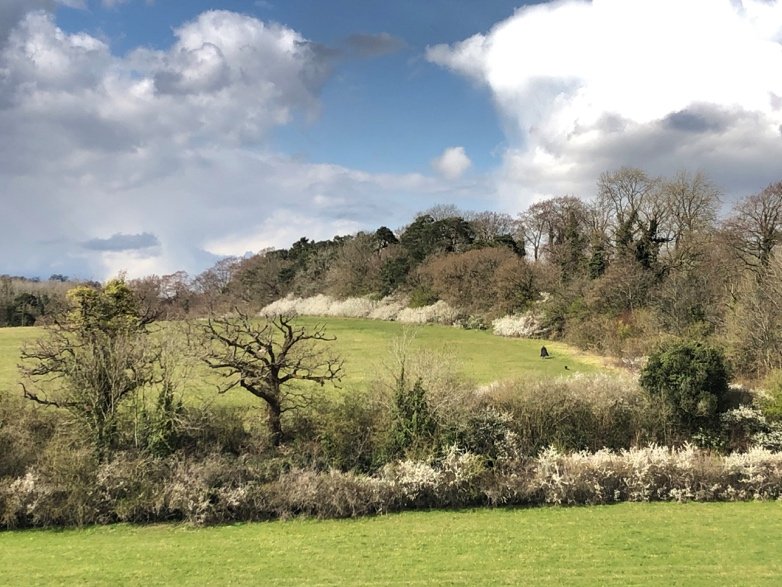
151,136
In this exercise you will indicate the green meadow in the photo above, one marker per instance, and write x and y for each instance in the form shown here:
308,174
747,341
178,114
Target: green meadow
366,347
628,544
11,340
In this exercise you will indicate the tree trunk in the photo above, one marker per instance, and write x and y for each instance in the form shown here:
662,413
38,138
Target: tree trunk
274,413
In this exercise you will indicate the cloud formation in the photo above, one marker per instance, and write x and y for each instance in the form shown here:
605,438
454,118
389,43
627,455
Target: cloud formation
123,242
373,45
583,87
167,150
452,163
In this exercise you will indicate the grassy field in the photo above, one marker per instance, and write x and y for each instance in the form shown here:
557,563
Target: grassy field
628,544
365,346
11,340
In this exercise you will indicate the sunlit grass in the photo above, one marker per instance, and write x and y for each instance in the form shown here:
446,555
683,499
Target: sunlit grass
628,544
11,341
365,346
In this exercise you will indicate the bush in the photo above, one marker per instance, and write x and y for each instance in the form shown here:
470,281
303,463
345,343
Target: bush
216,488
413,425
692,379
583,412
350,431
771,399
526,325
439,312
25,430
61,490
488,432
388,308
209,428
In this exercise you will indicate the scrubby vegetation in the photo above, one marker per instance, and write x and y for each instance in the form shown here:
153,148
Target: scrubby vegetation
420,437
645,273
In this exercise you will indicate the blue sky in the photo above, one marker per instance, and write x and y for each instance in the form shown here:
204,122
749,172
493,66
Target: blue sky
390,113
151,136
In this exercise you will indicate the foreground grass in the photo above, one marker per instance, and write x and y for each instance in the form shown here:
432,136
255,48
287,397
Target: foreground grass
365,346
628,544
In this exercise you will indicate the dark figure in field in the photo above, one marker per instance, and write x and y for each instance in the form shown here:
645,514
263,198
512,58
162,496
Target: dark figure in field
544,353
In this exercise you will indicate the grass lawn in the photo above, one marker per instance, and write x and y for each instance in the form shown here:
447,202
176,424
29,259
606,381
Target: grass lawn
480,355
628,544
365,346
11,340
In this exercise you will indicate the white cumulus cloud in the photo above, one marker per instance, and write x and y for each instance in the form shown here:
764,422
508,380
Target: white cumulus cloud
583,87
452,163
158,160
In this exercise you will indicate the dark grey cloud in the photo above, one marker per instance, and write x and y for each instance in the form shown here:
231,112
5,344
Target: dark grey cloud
358,46
697,120
123,242
373,45
12,11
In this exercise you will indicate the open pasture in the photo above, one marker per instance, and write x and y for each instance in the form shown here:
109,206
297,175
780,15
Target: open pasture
365,346
11,340
629,544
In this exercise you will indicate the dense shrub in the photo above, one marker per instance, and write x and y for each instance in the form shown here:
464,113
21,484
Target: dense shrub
692,378
220,489
770,400
390,308
60,490
527,325
351,432
413,426
25,430
488,280
583,412
207,429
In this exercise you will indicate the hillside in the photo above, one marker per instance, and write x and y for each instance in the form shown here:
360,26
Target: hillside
367,348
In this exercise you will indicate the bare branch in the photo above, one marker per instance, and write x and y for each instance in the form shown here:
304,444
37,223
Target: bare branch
265,357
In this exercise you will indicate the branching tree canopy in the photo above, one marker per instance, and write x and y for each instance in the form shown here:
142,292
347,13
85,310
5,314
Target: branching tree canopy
692,202
755,227
755,321
266,358
638,211
427,236
91,359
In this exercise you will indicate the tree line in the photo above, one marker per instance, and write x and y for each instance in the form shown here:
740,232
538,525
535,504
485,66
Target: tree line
647,258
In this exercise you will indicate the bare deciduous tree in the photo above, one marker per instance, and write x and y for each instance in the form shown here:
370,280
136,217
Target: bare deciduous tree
537,225
355,270
489,226
755,227
755,324
442,212
265,357
625,192
691,202
634,203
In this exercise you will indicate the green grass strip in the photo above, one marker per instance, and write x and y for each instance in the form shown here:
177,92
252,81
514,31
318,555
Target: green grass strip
628,544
